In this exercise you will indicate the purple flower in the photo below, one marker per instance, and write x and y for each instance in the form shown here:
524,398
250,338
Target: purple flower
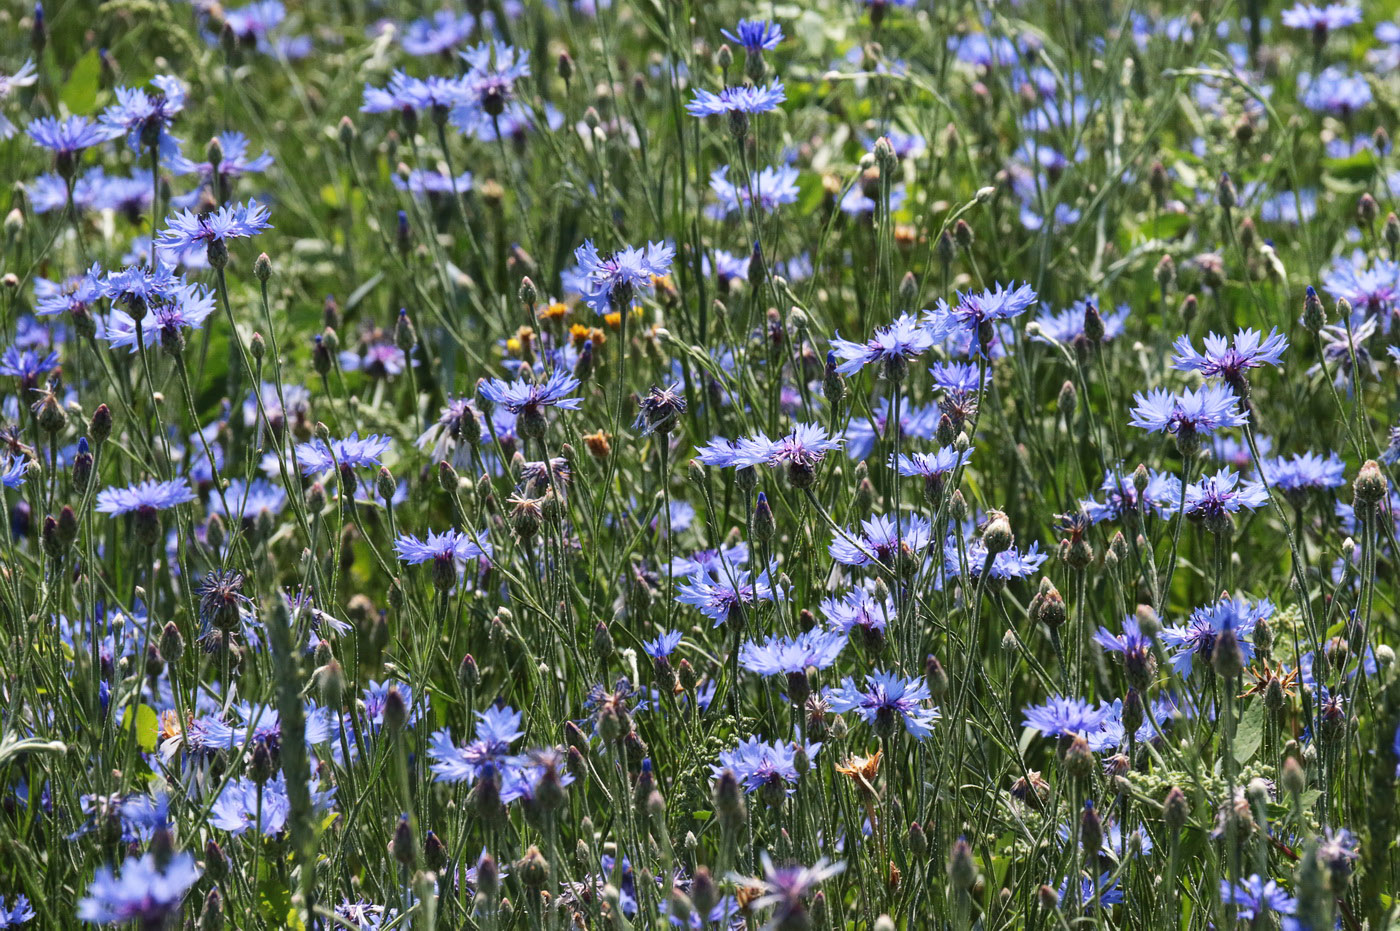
15,468
858,609
1061,716
766,189
608,282
1067,326
785,889
935,465
780,655
663,645
1334,91
532,397
1256,896
149,494
719,597
405,93
67,137
801,450
169,312
758,764
1303,472
887,700
266,809
746,99
1198,636
437,181
1012,563
1223,493
17,914
1320,20
893,345
1120,496
881,539
352,451
143,892
424,37
448,545
234,162
1227,361
235,221
144,118
1205,409
27,365
755,36
494,68
497,728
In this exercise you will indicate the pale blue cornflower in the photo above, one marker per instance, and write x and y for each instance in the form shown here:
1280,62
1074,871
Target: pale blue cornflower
881,539
1198,636
758,764
144,117
356,453
887,701
779,655
755,36
1205,409
766,189
143,891
609,281
231,221
1229,360
892,345
737,100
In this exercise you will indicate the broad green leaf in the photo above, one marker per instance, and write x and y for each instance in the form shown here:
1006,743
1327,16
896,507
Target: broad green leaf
79,92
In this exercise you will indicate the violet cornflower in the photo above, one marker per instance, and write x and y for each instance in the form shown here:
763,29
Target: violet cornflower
609,281
892,345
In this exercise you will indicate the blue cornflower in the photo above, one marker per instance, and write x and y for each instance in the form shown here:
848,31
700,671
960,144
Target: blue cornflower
746,99
1303,472
787,888
25,76
1120,496
144,118
663,645
888,700
352,451
976,315
1133,645
12,476
252,498
1067,326
169,313
932,467
527,398
894,345
711,562
376,695
244,805
766,189
1229,361
1012,563
608,282
758,764
881,539
149,494
1215,496
450,544
1366,284
1062,716
778,656
919,422
438,181
1205,409
720,597
139,286
434,36
755,35
497,728
1320,20
17,914
1108,892
234,163
801,450
493,69
1256,897
67,137
253,23
231,221
1198,636
27,365
858,610
144,892
405,93
1334,91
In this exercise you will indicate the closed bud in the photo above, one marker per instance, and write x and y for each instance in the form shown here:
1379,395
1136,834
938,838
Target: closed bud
1392,231
1227,657
1176,810
602,642
1068,400
962,868
962,234
1079,759
211,916
172,644
1225,194
703,891
384,484
402,846
1367,209
997,536
1293,779
1314,314
764,526
468,676
1165,273
1369,487
215,861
